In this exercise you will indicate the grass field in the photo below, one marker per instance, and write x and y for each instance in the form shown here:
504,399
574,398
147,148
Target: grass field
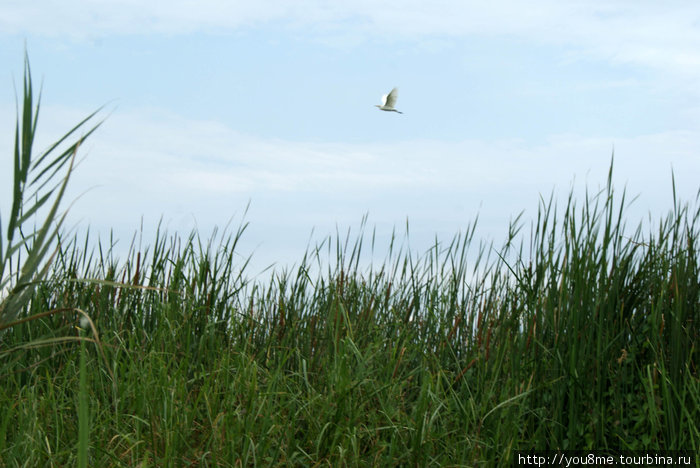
579,333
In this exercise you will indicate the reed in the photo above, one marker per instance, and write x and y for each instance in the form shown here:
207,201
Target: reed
579,333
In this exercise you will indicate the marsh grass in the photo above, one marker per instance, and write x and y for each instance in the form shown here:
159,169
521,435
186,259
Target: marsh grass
582,335
39,182
579,334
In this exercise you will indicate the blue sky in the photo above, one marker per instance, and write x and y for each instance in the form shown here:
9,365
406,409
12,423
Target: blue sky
214,104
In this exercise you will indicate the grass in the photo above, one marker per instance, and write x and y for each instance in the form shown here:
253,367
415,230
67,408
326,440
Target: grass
581,335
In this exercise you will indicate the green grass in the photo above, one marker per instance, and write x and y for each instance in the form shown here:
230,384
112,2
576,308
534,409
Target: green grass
581,334
587,339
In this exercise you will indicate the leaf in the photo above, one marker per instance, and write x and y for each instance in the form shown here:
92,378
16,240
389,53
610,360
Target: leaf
47,192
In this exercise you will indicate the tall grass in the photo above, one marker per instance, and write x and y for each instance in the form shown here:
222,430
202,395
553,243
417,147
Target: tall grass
582,335
37,184
37,190
579,334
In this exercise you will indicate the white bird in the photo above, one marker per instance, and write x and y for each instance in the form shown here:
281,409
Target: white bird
389,101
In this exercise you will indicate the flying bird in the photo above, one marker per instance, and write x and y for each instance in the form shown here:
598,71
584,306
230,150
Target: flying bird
389,101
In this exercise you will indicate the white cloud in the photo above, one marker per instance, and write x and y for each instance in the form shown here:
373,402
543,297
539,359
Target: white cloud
661,35
168,157
152,165
148,163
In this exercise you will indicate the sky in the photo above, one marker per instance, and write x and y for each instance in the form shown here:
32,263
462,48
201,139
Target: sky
221,112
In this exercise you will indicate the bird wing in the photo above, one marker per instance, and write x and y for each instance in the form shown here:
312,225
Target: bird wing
390,99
